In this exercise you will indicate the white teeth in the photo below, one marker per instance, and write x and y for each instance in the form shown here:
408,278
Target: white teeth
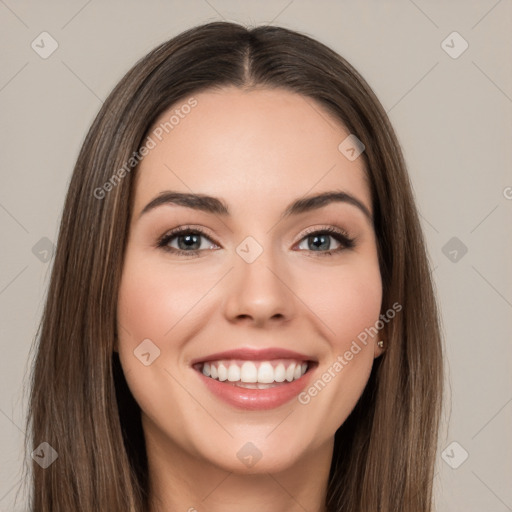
280,373
290,372
223,373
249,372
258,375
255,385
265,373
233,373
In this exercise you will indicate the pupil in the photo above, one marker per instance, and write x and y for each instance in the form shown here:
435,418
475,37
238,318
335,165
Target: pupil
324,245
189,238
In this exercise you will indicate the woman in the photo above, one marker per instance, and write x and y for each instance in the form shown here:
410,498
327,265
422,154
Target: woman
240,313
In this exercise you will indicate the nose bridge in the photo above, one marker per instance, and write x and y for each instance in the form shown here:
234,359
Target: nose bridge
257,286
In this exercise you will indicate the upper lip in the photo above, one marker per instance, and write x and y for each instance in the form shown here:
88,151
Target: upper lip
253,354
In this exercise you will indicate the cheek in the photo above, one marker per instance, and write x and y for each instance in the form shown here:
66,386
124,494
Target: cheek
347,301
358,306
151,303
149,306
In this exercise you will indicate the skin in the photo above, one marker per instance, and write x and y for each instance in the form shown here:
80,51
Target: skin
258,151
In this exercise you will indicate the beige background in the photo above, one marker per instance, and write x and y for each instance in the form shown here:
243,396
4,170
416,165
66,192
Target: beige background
452,116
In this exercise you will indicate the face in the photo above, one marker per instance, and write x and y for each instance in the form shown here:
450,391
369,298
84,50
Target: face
242,333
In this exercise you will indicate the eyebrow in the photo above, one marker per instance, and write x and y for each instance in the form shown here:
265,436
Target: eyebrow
217,206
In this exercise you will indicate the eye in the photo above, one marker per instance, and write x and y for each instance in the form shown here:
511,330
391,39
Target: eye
188,241
185,241
319,241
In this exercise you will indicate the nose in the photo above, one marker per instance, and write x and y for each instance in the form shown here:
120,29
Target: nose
259,293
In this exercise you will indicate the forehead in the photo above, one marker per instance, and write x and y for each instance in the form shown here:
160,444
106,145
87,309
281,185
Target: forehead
263,146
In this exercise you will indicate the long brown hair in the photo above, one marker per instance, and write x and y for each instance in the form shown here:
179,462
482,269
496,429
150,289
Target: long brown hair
80,404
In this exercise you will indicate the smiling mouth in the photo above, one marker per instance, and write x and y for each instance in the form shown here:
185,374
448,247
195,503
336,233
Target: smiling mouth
254,374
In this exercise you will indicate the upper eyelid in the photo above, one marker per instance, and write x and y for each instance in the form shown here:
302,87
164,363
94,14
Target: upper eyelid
187,228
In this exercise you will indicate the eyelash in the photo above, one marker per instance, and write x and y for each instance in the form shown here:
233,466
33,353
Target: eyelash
340,236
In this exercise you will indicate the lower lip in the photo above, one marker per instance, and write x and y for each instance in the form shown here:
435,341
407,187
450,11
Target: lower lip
256,399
